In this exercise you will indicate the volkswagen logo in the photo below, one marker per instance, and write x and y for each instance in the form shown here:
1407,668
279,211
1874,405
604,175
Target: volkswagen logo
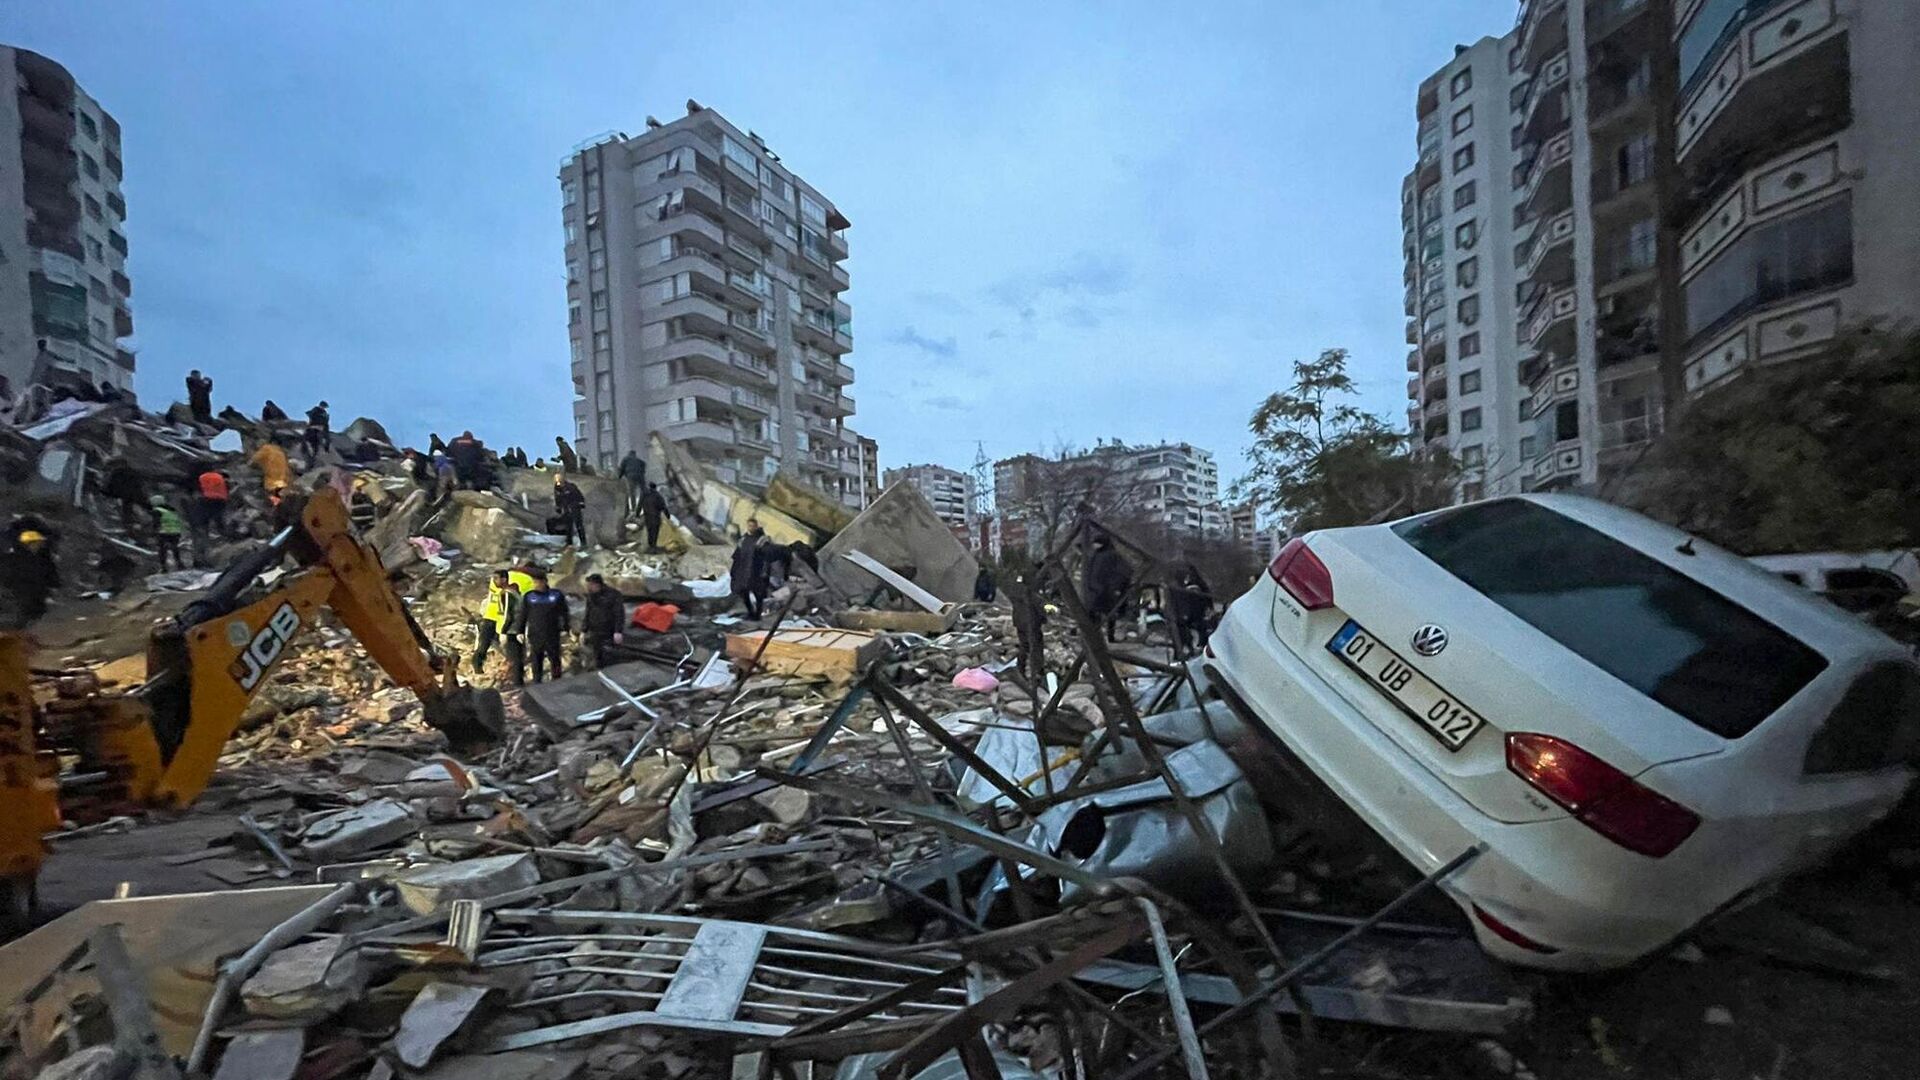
1429,640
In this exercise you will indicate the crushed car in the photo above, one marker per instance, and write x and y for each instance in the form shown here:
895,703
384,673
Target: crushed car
1640,729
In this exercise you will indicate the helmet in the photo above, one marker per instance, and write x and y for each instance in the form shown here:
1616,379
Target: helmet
32,538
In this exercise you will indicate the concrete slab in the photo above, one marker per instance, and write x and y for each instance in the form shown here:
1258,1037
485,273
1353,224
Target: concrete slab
558,702
901,530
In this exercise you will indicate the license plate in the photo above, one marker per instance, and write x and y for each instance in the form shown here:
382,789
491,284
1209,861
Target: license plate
1420,697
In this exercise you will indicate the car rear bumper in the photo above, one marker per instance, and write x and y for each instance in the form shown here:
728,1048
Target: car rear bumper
1556,882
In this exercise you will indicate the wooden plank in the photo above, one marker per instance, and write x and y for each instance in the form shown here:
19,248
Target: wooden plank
838,655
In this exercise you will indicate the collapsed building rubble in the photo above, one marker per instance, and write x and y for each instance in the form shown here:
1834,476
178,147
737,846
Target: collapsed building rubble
856,838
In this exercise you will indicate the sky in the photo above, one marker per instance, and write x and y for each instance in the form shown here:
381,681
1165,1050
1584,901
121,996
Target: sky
1071,222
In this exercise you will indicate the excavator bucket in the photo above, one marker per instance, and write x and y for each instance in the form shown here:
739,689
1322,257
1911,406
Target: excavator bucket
470,716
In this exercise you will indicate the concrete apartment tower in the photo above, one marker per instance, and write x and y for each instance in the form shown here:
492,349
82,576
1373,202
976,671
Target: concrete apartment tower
63,245
949,491
1464,391
703,284
1786,129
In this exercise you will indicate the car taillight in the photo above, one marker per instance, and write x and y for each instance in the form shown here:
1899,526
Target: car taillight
1303,575
1605,799
1508,934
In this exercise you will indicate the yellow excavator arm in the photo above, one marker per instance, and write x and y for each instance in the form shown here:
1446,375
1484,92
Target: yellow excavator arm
159,744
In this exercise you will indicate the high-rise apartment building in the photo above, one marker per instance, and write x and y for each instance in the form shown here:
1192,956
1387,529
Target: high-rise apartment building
703,292
63,244
1175,485
1464,390
1798,156
1685,201
949,491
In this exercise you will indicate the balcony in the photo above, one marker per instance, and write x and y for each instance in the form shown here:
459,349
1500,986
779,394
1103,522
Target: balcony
117,204
840,279
704,433
1550,252
741,246
1543,31
1413,332
703,314
684,222
1413,359
1784,77
1558,382
1547,323
122,322
1436,375
122,284
837,244
1559,467
1549,186
1545,87
1774,188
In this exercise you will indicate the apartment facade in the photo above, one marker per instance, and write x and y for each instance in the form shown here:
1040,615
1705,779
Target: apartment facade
1687,200
703,289
1175,485
1464,390
949,491
1798,156
63,244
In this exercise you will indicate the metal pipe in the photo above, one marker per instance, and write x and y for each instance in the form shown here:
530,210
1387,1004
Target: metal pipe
1176,1000
242,967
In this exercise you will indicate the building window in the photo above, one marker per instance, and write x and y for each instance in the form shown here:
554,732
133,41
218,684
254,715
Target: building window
597,260
573,271
1467,274
573,232
603,384
599,299
1463,158
1517,96
1632,163
1466,235
1469,419
606,420
100,330
1526,448
93,207
1470,382
1464,195
1469,345
95,251
1777,260
574,348
1462,82
1463,121
602,341
569,193
573,314
1469,311
1566,421
1472,456
87,125
741,155
90,166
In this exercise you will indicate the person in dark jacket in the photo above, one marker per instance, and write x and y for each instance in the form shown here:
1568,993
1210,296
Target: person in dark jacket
200,397
319,426
544,619
28,572
1029,623
748,574
271,413
983,585
569,461
570,507
633,469
1105,581
653,509
1189,609
126,487
602,622
467,454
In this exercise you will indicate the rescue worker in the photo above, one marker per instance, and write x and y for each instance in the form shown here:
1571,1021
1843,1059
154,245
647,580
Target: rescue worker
213,504
569,461
633,469
1189,608
1105,581
435,445
200,397
466,451
570,507
127,488
419,468
747,574
319,424
601,623
271,460
1029,623
27,572
653,507
492,626
545,619
271,413
168,527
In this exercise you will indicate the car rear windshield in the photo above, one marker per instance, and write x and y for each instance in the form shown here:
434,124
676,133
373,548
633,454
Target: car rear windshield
1652,627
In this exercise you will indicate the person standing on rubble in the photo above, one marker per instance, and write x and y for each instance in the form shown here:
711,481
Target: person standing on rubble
499,615
1189,608
1105,581
28,573
569,461
319,425
418,468
601,623
271,413
213,504
653,507
168,527
570,509
271,460
124,486
748,573
200,397
983,585
633,469
1029,622
465,452
545,619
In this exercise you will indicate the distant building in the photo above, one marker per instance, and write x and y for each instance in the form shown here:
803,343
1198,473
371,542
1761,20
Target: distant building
703,304
869,458
949,491
1173,485
63,245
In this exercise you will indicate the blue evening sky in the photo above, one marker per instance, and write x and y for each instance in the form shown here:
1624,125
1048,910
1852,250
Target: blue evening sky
1070,221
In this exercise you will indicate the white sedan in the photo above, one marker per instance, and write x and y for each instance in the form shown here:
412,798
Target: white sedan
1642,729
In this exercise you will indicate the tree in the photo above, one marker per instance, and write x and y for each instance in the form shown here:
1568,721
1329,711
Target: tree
1320,462
1814,455
1047,496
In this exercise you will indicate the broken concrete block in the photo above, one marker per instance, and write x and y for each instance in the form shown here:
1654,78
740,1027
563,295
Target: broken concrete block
378,767
357,830
434,889
436,1014
305,982
799,499
92,1063
262,1055
901,530
788,806
480,526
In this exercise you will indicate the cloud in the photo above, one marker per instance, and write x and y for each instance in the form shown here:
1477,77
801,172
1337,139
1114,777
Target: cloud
944,302
944,348
1086,274
947,402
